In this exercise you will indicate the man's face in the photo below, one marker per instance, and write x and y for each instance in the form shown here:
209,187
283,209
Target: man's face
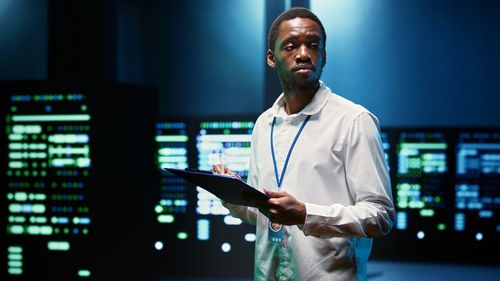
299,53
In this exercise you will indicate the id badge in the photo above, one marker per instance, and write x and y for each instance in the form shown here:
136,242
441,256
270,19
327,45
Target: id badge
275,232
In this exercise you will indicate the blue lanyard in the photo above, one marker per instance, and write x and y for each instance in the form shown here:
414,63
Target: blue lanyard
279,179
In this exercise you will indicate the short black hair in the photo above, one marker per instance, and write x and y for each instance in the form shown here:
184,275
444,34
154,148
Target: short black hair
296,12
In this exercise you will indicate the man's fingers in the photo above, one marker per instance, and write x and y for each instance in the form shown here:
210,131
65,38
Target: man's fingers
235,175
273,201
217,169
269,192
275,194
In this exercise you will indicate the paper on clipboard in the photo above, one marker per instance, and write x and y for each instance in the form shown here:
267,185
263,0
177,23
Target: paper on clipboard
227,188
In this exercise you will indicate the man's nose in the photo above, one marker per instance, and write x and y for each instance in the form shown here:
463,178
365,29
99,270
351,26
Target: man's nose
303,53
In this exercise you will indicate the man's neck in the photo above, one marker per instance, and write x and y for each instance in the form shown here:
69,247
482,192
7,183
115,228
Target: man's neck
297,99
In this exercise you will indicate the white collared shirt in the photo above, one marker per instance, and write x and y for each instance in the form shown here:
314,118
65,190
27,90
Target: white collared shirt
338,169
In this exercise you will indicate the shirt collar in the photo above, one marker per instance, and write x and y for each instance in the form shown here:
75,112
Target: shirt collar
319,100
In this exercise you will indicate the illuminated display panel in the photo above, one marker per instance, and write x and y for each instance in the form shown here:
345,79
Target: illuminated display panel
78,181
201,227
47,172
477,186
446,185
226,143
422,195
172,152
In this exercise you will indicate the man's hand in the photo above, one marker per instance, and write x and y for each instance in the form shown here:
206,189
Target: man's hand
283,208
223,170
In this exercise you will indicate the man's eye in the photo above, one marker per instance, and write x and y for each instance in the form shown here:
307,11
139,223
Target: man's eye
314,46
289,47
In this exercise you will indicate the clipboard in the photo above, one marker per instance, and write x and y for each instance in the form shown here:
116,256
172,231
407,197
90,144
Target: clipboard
225,187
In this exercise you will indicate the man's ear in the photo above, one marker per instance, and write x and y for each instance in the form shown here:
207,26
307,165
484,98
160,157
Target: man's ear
270,59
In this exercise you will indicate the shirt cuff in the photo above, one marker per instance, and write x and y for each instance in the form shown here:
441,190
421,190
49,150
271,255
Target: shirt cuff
314,218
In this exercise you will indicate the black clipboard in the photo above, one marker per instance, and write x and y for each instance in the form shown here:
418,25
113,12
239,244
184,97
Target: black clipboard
227,188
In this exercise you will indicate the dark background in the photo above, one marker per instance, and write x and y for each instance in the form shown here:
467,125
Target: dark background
412,63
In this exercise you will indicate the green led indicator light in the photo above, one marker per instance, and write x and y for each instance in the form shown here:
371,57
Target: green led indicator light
15,263
15,250
423,145
16,257
51,118
417,205
427,212
16,229
58,246
158,209
15,271
182,235
171,138
165,218
441,226
403,205
84,273
38,208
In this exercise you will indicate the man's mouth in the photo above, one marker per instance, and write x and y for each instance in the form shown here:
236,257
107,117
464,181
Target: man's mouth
304,68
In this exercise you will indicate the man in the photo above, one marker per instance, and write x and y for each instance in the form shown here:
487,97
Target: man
319,157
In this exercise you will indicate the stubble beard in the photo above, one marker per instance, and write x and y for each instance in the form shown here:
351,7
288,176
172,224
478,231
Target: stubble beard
307,86
302,87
